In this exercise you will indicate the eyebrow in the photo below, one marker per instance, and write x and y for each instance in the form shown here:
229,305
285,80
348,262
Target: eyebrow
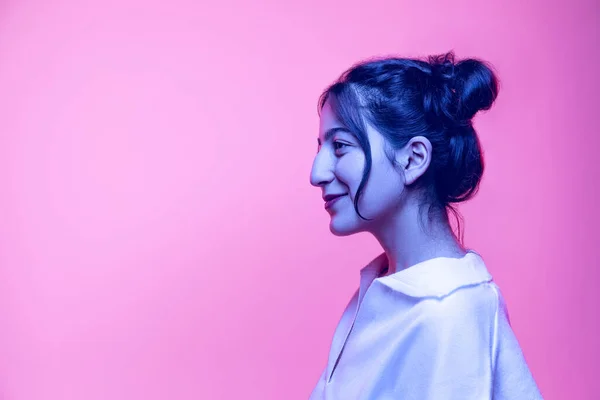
332,131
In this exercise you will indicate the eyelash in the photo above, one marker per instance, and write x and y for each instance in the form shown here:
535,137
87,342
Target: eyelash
342,145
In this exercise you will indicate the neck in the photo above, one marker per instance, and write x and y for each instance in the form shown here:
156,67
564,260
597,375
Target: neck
413,237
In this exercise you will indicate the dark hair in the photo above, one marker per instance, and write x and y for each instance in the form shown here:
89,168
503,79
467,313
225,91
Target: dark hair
437,98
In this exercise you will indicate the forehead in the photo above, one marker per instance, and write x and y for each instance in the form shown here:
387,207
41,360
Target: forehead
329,123
327,117
330,126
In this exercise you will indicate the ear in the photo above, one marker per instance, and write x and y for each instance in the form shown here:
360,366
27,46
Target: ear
415,158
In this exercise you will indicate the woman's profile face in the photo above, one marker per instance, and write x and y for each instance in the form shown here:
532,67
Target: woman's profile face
338,169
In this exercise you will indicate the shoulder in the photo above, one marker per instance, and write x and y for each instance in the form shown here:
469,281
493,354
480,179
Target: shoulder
456,330
471,307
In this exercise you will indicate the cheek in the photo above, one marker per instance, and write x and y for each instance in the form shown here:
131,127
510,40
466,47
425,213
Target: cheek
349,171
383,189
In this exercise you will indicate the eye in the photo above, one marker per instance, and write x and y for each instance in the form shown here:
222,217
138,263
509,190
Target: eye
337,145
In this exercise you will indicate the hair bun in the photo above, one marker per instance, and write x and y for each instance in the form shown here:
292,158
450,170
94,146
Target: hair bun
472,82
443,67
476,86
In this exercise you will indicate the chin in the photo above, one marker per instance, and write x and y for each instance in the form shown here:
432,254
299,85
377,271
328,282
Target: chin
343,228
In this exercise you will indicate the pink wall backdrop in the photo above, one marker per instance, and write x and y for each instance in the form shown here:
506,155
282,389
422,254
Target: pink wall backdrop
159,238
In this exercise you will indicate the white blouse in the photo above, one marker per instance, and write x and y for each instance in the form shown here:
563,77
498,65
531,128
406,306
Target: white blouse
436,330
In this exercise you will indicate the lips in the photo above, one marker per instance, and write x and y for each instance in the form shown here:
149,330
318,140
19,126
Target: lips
330,199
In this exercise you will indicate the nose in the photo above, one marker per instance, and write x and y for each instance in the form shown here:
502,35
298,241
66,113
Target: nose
322,170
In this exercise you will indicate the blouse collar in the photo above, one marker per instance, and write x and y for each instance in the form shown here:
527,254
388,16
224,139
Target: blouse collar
435,277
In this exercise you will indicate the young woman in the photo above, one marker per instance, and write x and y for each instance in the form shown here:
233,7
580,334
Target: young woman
397,149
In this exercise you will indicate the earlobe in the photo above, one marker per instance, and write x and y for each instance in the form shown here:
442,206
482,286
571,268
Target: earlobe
418,158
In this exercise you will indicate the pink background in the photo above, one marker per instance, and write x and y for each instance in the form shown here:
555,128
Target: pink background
159,238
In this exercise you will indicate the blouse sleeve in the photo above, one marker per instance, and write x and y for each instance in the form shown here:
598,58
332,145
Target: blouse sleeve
448,352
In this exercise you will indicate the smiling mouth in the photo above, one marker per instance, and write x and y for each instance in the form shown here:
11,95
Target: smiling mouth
332,200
